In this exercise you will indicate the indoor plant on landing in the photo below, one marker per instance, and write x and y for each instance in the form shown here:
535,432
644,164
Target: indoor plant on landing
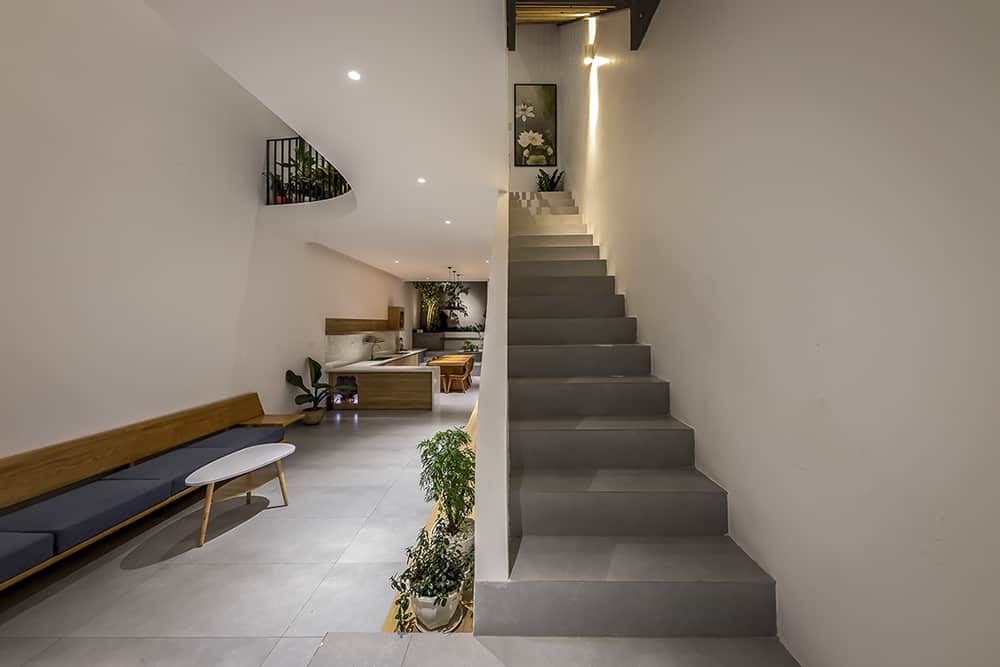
430,588
315,396
448,476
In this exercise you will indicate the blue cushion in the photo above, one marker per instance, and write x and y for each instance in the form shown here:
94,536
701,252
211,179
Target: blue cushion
81,513
23,551
173,467
242,436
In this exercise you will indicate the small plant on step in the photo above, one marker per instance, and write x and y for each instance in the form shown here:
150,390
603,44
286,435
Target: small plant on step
550,182
448,476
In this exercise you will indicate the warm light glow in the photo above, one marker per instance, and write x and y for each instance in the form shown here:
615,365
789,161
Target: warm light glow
591,29
487,261
397,261
354,75
447,222
597,61
421,180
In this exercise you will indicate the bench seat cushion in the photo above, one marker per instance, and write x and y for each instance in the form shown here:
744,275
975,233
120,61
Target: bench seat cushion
240,437
78,514
175,466
23,551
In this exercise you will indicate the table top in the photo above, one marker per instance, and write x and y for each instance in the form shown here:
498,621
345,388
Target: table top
451,360
239,463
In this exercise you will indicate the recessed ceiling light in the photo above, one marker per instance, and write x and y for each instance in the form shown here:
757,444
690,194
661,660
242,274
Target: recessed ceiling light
447,222
397,261
354,75
421,180
487,261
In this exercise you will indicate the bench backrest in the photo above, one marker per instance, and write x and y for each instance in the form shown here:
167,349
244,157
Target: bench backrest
33,473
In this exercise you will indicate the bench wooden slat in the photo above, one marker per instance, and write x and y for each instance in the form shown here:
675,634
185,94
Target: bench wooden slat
39,471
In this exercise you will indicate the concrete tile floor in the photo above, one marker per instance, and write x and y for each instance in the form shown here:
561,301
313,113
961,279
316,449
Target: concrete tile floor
270,581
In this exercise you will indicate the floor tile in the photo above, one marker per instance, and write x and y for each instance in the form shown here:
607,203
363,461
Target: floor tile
383,540
293,652
17,651
439,650
354,597
369,649
323,502
157,652
211,600
342,475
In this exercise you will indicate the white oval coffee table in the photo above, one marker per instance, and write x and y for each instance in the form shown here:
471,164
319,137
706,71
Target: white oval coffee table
239,474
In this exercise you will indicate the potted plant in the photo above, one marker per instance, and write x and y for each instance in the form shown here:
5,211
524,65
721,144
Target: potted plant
550,182
316,396
448,476
278,189
430,588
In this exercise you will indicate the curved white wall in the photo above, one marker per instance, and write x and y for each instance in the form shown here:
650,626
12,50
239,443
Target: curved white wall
135,275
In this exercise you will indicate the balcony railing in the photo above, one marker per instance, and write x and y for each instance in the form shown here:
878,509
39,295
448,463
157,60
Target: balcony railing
295,172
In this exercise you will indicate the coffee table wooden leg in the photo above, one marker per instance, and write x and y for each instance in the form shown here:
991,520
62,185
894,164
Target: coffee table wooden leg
281,481
249,495
209,492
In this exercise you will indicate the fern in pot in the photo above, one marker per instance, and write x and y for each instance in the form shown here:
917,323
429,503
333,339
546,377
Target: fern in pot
448,476
430,588
315,395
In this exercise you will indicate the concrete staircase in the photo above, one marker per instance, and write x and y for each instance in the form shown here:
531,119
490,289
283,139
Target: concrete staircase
614,531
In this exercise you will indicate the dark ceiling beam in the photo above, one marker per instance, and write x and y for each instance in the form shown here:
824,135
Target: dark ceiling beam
511,25
640,15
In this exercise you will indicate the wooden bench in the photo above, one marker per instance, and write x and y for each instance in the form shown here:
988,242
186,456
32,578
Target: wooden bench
40,473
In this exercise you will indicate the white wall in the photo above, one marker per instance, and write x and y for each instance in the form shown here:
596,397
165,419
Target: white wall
135,277
800,203
475,302
536,60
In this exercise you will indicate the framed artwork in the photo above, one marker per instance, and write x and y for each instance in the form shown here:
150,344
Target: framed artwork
535,125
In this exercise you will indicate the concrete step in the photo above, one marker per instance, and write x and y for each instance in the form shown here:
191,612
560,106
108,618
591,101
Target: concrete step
570,330
600,442
554,285
633,586
548,240
539,208
587,396
566,267
582,359
561,195
588,305
546,224
616,501
555,253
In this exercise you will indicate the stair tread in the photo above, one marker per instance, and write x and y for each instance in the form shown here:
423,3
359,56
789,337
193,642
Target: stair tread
634,559
559,346
599,423
586,379
613,480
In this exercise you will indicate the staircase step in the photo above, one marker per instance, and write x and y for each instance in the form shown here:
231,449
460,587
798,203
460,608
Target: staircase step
555,252
570,330
616,501
600,442
555,285
552,224
609,305
549,240
540,208
570,360
631,586
587,396
566,267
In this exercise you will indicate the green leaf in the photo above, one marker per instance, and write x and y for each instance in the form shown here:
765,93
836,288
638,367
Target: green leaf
295,380
315,371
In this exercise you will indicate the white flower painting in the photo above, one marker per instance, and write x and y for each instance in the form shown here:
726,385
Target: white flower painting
535,125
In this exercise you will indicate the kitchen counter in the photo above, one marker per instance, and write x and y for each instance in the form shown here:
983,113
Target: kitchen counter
379,364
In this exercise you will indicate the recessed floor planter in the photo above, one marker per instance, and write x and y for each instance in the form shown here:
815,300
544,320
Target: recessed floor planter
431,618
466,537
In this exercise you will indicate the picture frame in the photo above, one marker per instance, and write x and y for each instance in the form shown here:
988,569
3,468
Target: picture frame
536,125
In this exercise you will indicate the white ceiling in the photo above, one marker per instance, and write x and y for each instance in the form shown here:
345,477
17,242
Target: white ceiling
431,104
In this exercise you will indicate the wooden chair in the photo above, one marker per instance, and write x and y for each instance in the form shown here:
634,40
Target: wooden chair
464,378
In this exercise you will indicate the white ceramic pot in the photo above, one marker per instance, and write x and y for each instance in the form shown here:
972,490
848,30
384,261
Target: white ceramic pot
430,615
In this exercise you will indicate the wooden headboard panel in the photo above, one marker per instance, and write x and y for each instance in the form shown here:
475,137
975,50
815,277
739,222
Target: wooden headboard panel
29,474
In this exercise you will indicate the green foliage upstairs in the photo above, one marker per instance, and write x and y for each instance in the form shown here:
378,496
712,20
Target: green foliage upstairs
550,183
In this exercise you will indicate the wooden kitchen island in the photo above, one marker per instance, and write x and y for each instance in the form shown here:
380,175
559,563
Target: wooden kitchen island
396,382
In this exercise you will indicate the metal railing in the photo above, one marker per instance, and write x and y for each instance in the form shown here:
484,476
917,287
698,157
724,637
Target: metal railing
295,172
